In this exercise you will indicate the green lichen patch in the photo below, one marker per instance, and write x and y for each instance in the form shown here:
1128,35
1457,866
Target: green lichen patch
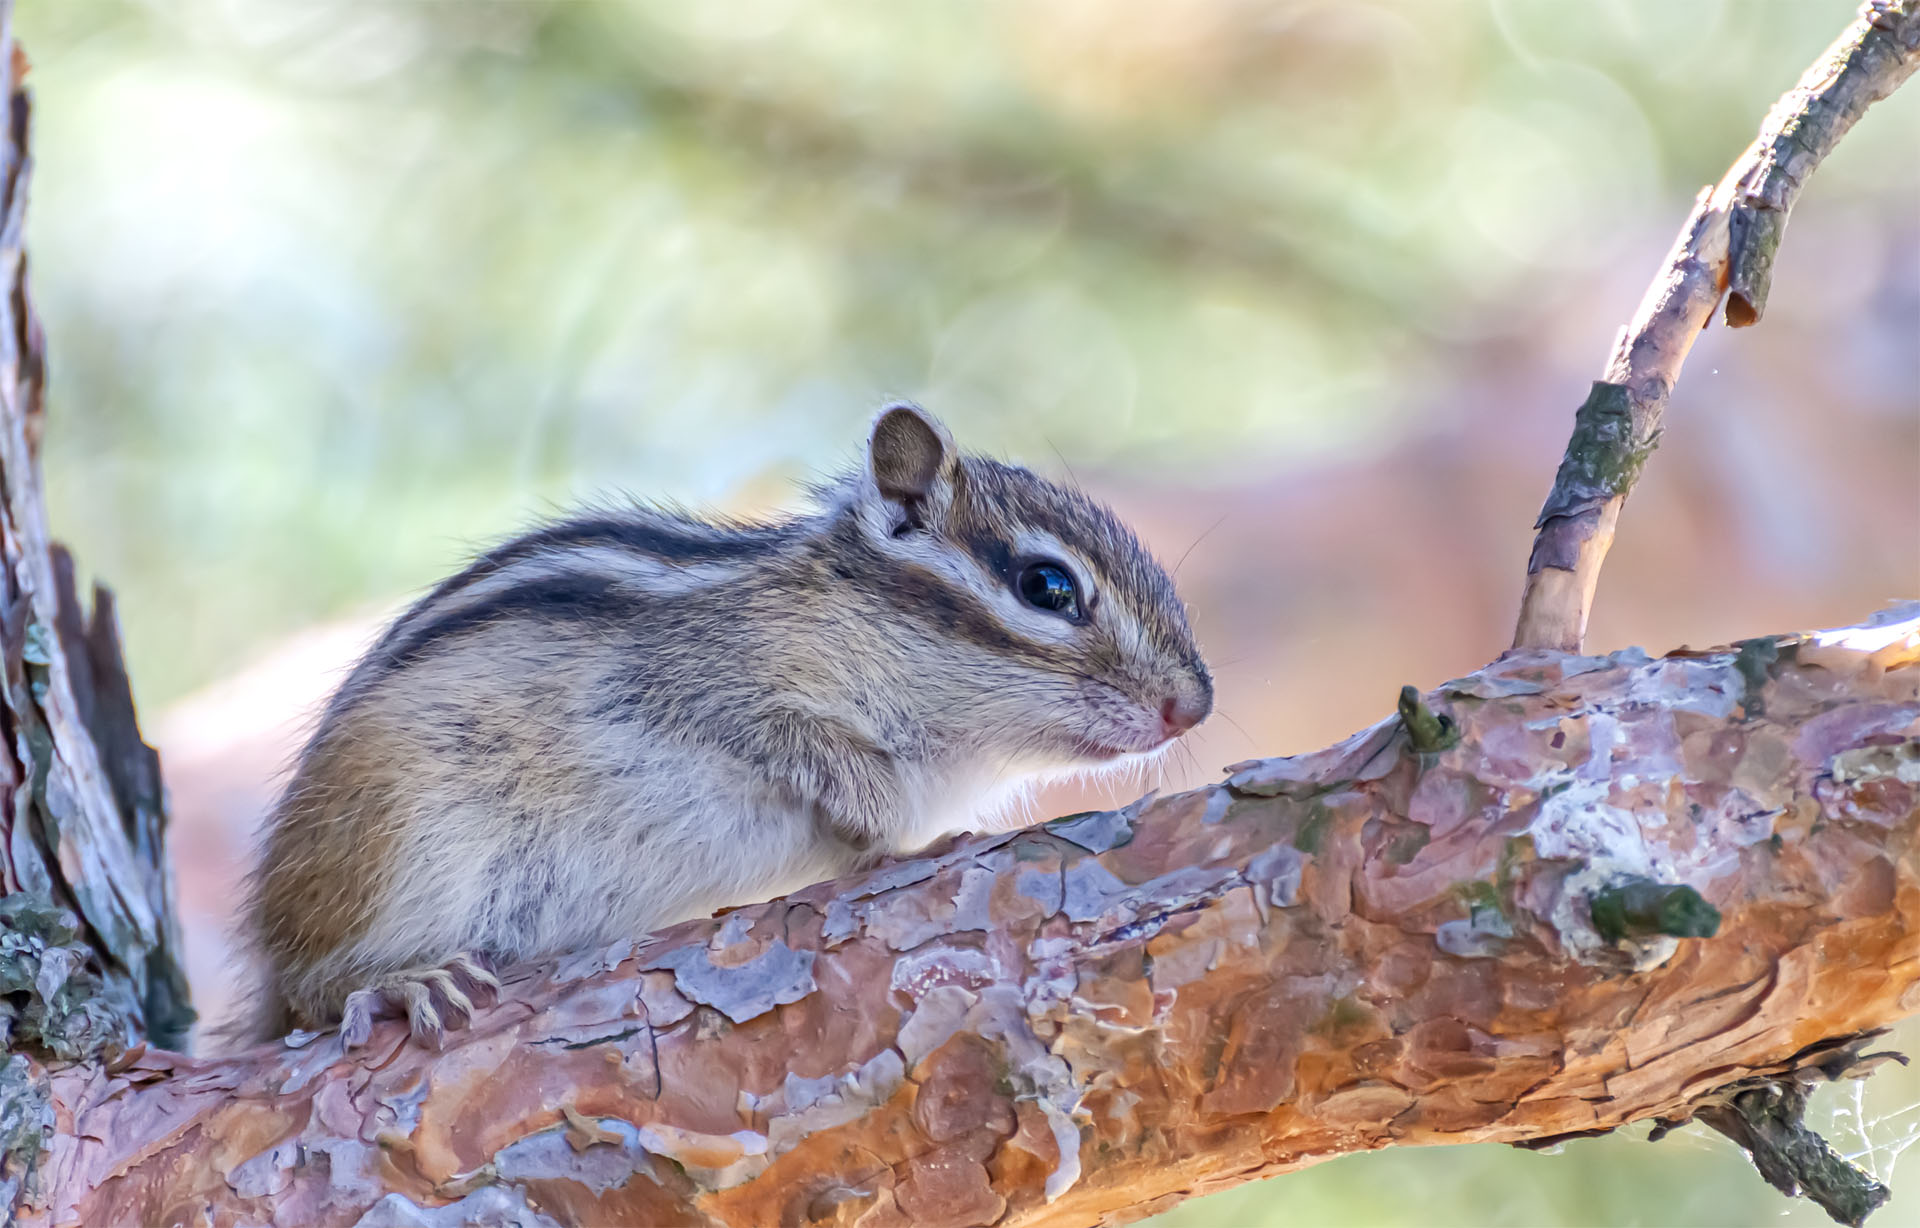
1604,455
1753,662
1484,909
1345,1017
35,915
1406,842
51,993
26,1118
1516,852
1756,233
1642,908
1313,829
1485,931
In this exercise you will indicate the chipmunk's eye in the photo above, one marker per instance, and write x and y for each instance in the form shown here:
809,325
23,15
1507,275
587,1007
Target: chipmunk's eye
1049,586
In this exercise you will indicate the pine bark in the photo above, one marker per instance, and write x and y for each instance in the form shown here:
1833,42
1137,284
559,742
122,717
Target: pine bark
1480,920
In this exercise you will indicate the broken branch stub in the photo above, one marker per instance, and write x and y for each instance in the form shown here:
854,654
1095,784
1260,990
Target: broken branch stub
1727,244
1370,945
1863,66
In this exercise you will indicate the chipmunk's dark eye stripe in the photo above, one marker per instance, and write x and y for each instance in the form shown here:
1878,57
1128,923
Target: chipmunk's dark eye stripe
993,554
953,609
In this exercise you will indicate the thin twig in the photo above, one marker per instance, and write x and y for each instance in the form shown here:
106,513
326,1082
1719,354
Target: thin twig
1728,241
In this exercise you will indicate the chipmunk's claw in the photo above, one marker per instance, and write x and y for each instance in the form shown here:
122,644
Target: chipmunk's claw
430,999
474,976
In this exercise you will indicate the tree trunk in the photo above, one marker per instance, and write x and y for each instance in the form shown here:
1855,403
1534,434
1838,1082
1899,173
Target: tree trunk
1559,895
87,929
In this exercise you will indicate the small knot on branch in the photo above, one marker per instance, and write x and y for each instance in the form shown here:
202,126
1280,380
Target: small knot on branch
1642,908
1429,732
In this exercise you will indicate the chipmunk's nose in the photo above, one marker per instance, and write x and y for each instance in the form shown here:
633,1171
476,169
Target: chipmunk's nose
1182,712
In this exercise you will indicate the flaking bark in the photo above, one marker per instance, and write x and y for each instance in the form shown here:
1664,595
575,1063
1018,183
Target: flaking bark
87,932
1084,1022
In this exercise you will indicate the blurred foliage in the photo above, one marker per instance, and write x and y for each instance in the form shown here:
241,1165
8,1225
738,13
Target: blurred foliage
340,288
1693,1178
337,289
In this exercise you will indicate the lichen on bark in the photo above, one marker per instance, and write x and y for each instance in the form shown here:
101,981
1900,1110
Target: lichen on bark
26,1119
1604,455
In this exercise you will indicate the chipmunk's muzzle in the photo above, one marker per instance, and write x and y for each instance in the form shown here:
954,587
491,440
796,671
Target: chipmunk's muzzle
1122,726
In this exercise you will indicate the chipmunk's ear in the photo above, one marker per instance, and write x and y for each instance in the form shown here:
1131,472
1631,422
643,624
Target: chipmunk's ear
911,458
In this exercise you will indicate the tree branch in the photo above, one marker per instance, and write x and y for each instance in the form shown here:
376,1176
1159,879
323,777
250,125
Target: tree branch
1458,925
1731,235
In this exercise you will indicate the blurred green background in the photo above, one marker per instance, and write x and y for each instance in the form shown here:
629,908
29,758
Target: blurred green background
337,290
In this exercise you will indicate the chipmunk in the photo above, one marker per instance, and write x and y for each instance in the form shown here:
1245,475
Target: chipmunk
629,719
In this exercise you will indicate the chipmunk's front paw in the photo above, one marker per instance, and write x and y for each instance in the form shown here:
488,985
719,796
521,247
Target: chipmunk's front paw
430,999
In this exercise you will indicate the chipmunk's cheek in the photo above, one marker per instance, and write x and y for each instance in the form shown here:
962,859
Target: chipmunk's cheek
1099,752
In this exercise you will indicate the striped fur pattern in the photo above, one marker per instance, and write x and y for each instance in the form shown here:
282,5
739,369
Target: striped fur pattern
631,718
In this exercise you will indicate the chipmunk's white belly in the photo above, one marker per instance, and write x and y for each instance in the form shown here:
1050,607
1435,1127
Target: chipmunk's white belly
677,833
659,832
968,798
